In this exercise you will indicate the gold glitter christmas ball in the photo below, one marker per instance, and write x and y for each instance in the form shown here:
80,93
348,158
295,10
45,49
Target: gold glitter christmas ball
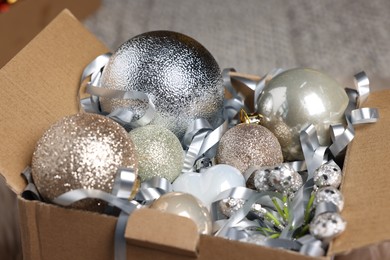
159,152
179,75
185,205
82,151
246,145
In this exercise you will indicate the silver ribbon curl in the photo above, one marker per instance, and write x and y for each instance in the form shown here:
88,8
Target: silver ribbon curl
354,114
30,192
91,104
152,189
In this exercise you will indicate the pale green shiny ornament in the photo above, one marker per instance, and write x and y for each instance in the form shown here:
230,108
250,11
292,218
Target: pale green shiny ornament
158,151
297,98
185,205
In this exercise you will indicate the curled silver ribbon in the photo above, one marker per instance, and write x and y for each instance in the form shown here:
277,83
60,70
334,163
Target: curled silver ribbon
354,114
30,192
152,189
123,116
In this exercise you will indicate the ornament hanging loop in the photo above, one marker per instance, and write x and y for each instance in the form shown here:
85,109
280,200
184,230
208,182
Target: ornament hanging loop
251,118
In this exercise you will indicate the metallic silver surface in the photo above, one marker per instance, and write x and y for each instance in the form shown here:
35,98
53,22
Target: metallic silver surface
159,152
247,145
178,74
81,151
327,226
185,205
296,98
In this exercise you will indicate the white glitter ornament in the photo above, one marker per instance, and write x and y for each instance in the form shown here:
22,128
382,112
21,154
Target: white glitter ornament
246,145
185,205
296,98
284,179
328,174
327,226
178,74
82,151
159,152
329,194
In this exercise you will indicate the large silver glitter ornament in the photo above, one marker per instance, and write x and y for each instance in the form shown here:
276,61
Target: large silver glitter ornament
328,174
327,226
159,152
179,75
296,98
246,145
185,205
82,151
329,194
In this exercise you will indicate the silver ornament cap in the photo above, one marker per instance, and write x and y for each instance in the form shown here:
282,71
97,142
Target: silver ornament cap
179,75
296,98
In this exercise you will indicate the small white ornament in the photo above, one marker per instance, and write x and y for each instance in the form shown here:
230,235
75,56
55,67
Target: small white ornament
207,185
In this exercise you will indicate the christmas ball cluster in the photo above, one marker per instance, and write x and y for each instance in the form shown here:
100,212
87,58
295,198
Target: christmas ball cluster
183,81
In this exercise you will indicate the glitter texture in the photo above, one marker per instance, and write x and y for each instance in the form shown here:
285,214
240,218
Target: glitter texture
330,194
283,178
328,174
229,206
327,226
248,145
81,151
179,75
296,98
159,152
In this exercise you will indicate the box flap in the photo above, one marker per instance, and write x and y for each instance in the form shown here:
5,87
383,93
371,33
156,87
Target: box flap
166,232
38,87
366,184
27,18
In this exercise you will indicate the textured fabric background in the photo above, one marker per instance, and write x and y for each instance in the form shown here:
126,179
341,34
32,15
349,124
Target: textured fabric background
340,38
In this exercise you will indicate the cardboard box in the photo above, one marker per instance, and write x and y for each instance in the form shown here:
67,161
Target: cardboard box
27,18
39,86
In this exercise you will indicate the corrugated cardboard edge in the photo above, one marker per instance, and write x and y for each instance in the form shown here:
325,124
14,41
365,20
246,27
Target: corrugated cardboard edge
366,183
26,78
52,232
162,231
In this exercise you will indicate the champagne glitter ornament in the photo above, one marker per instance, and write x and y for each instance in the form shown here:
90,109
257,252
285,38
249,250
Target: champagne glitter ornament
82,151
246,145
179,75
159,152
186,205
296,98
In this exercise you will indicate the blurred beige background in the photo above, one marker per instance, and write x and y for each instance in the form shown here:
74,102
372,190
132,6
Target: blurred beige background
338,37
